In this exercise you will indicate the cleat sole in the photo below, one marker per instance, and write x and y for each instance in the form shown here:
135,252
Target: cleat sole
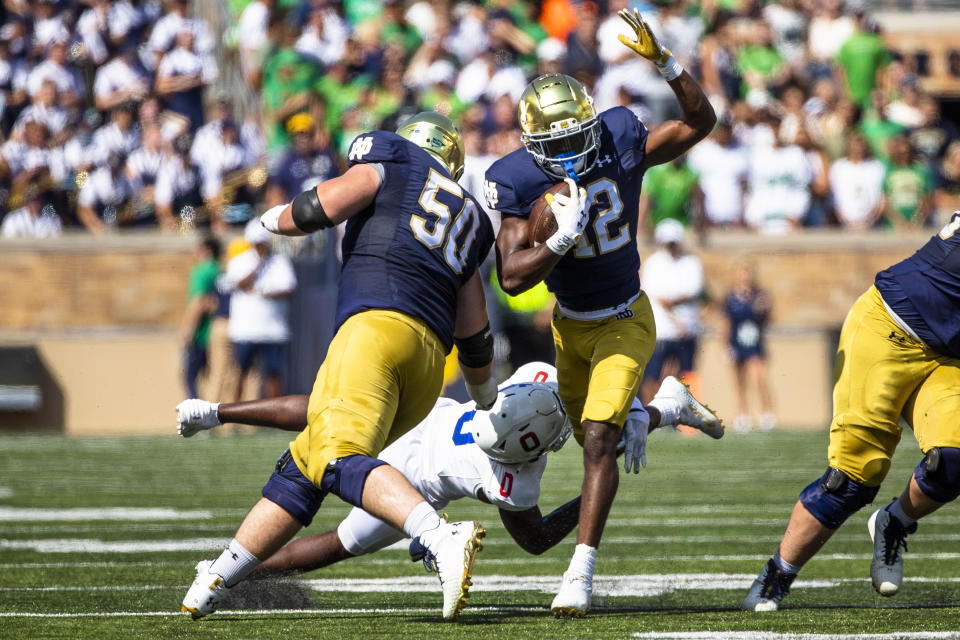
194,614
568,612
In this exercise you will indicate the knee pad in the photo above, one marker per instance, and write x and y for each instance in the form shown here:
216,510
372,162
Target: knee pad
835,496
938,474
346,476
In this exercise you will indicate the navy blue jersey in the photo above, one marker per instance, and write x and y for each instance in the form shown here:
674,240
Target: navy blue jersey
924,290
603,269
747,317
417,243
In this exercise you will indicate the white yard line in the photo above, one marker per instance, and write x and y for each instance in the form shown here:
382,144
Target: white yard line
16,514
634,585
86,545
769,635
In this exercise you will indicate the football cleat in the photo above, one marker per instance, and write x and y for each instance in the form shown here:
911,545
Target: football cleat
573,599
452,548
692,412
768,590
889,542
195,415
206,592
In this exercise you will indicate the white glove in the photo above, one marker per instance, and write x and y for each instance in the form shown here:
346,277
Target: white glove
271,218
485,394
635,437
570,212
195,415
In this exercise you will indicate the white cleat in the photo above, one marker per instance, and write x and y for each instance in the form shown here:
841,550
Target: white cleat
889,542
692,412
573,599
206,592
195,415
454,547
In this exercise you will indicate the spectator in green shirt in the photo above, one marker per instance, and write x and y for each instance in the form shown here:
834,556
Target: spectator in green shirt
396,29
760,65
908,187
669,191
860,59
201,305
286,85
877,129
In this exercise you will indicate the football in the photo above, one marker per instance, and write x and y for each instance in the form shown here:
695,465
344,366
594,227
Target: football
541,224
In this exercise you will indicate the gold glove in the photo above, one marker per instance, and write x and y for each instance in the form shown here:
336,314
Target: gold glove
646,43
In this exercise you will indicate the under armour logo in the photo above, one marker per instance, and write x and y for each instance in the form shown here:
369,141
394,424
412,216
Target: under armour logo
605,160
626,313
893,336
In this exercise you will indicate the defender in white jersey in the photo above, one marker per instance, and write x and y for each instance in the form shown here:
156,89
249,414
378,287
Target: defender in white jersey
447,457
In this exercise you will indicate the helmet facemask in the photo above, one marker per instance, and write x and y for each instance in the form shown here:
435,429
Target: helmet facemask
569,151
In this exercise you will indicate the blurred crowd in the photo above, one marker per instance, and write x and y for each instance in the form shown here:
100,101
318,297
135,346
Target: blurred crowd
113,116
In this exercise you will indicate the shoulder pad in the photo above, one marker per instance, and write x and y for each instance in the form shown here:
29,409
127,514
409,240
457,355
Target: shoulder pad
513,183
628,134
378,146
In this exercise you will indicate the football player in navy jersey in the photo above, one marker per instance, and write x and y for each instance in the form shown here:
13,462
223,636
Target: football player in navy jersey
898,357
409,290
602,324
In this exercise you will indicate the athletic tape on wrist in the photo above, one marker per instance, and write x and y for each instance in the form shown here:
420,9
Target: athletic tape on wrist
671,69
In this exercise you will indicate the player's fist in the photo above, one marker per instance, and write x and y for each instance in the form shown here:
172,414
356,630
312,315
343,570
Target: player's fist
271,218
646,44
571,214
195,415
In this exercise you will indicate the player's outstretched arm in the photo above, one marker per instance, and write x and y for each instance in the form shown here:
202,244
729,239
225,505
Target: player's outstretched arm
535,533
286,412
327,205
674,137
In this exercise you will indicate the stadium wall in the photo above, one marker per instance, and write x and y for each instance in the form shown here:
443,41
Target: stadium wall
103,314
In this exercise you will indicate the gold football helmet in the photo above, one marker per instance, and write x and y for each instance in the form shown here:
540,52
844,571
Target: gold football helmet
438,136
559,125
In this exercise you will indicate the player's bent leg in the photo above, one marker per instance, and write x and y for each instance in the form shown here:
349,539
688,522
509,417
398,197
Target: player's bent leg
388,495
935,481
824,505
677,405
305,554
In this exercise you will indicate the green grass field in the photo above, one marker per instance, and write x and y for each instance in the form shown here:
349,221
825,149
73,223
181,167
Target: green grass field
684,541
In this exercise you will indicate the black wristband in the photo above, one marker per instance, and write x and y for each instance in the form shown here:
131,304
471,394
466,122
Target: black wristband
477,350
308,213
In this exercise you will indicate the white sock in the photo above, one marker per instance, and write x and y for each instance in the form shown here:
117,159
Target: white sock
583,561
423,518
785,566
897,512
669,409
234,563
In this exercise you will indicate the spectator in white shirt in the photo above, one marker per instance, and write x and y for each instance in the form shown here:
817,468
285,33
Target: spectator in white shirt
36,219
166,30
121,135
181,76
55,68
780,180
142,168
234,202
251,34
107,24
178,189
101,202
324,37
261,283
673,280
43,109
722,165
856,183
120,80
32,158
